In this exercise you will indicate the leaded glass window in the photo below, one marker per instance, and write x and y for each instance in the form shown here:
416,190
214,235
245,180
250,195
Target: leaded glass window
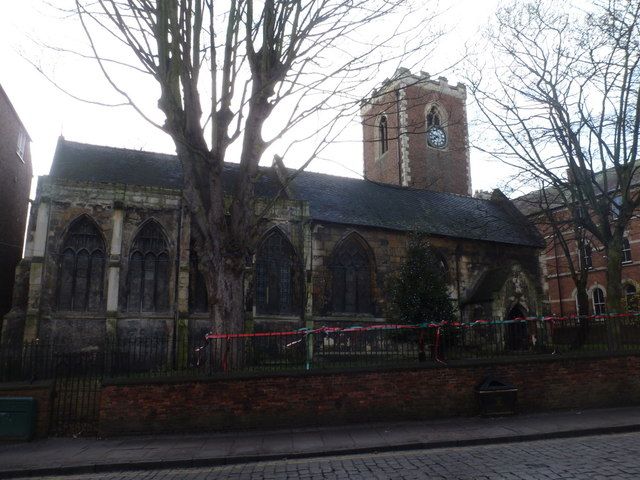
351,277
277,276
149,268
81,272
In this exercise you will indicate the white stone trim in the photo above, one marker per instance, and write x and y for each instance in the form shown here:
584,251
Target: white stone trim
42,225
403,137
113,277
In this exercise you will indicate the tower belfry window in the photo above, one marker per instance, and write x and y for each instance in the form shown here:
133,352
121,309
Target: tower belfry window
433,118
383,134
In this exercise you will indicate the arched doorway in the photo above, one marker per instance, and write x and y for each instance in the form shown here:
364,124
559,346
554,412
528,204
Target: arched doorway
516,333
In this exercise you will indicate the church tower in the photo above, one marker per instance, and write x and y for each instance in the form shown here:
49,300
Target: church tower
415,134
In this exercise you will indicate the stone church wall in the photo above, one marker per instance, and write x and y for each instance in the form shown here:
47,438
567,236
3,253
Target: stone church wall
119,212
466,262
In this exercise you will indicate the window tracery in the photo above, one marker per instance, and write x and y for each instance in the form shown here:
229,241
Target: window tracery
148,279
81,272
351,278
277,276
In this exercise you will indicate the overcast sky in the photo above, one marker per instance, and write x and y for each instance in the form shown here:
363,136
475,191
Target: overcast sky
47,112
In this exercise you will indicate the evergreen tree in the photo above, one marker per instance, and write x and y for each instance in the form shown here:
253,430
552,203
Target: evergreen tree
419,292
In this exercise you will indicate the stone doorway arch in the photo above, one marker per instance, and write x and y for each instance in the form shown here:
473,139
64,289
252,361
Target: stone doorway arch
516,337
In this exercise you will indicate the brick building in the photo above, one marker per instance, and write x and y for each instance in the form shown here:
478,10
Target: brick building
109,244
559,288
15,186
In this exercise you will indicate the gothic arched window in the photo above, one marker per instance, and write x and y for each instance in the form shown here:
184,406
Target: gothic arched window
277,276
81,270
351,277
148,279
383,134
198,300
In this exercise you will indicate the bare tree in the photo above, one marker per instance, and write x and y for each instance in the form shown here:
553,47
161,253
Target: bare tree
564,102
546,207
223,69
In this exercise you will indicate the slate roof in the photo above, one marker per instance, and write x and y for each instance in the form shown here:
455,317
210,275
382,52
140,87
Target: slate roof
534,202
490,282
331,198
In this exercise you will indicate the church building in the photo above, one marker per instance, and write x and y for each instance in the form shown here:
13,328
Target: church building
109,250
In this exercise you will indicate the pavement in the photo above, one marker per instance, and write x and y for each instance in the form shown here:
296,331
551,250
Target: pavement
61,456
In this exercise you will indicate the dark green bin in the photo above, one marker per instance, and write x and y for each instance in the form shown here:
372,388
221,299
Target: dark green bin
17,418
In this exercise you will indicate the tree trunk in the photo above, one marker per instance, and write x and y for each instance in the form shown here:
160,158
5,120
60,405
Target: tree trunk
614,289
614,275
583,312
582,299
227,311
225,290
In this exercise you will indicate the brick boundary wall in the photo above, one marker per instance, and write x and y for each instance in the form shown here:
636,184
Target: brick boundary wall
322,398
43,393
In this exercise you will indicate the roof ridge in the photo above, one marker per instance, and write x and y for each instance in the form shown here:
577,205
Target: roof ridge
268,168
120,149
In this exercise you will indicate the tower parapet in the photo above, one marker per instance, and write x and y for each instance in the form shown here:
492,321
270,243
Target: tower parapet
416,135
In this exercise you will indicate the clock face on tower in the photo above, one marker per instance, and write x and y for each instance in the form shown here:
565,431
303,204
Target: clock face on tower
436,137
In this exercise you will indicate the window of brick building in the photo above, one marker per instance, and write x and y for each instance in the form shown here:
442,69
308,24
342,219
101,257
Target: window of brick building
626,250
351,277
599,304
81,268
615,206
629,294
383,135
149,266
277,276
585,256
22,144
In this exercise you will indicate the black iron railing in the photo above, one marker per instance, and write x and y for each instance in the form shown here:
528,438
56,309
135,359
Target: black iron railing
324,348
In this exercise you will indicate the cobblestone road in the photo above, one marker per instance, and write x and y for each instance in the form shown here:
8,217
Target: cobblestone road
596,457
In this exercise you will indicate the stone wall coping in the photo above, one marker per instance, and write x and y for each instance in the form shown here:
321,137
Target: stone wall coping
186,379
37,385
